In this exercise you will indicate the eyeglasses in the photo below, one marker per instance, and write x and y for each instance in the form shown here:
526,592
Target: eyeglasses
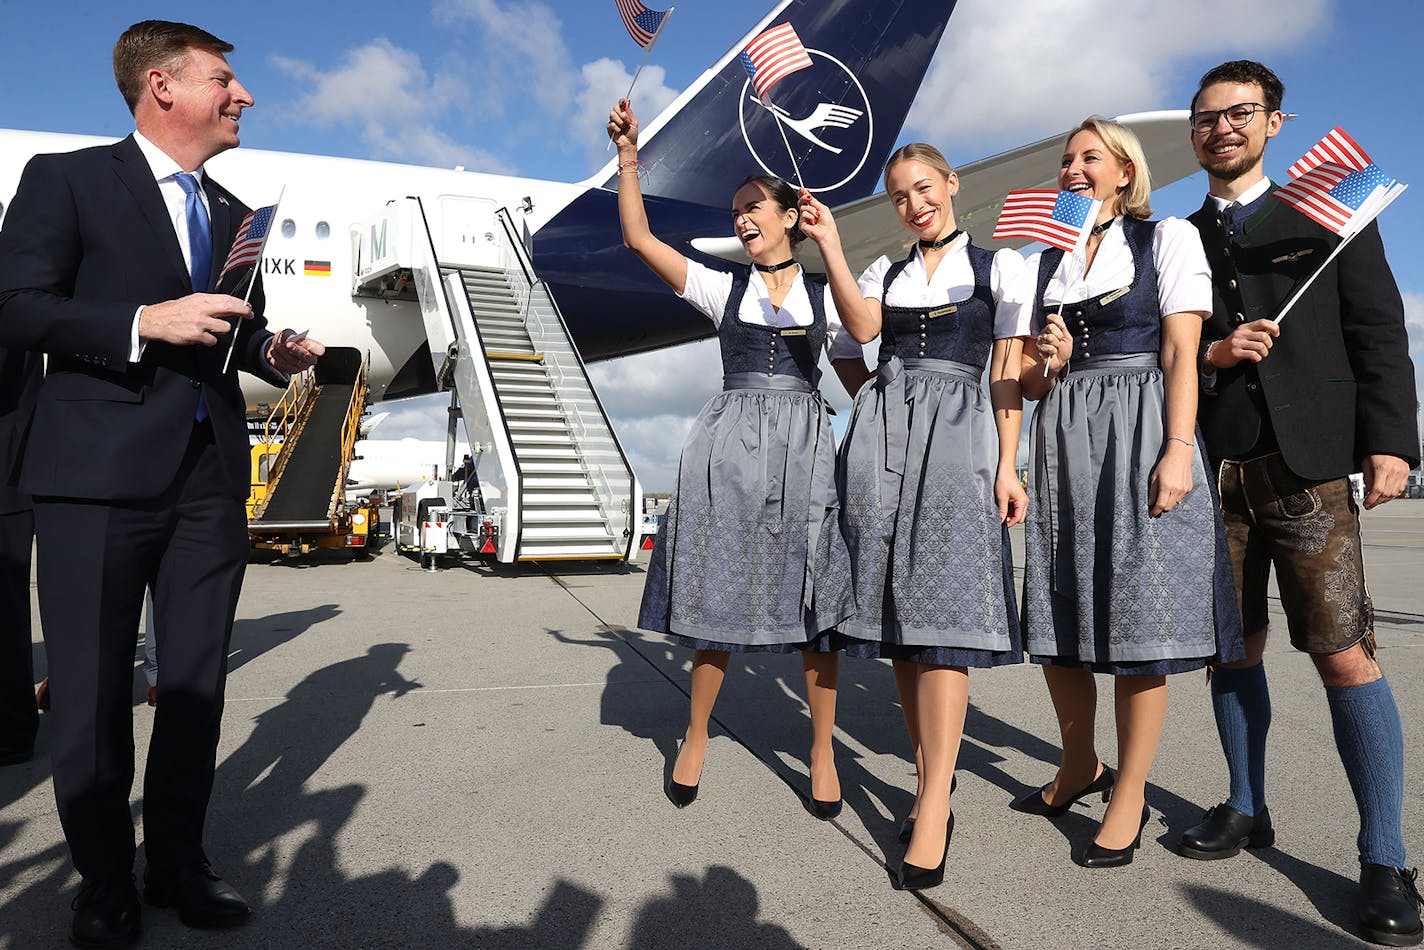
1238,116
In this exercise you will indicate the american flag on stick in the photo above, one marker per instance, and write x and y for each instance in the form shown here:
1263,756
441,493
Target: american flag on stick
251,238
643,24
1338,187
773,56
1340,199
1060,219
1337,148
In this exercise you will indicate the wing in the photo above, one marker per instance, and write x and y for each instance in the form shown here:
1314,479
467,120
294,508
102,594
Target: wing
869,227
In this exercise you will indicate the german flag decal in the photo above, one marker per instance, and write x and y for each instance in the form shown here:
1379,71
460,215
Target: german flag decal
317,269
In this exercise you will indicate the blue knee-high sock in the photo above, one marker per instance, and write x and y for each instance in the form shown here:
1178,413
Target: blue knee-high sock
1242,703
1371,743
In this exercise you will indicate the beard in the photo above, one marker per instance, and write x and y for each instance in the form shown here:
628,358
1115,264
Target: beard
1230,169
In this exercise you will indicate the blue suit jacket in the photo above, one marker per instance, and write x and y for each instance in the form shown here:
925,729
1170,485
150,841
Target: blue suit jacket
86,241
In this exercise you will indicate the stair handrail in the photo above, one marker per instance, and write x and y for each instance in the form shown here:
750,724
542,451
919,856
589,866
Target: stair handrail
285,420
350,432
536,288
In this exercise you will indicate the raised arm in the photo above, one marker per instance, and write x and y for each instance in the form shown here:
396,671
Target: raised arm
860,317
664,259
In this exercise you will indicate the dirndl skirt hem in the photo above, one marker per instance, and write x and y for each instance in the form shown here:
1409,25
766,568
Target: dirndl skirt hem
929,656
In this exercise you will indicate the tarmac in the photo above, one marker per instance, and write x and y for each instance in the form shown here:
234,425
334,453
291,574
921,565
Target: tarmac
475,758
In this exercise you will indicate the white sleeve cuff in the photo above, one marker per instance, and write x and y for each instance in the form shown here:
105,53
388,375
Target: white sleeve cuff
136,347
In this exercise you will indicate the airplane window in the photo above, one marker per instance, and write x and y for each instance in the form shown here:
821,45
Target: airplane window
323,230
289,228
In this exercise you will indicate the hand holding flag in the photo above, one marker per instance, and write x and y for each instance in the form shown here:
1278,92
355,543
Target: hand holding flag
645,26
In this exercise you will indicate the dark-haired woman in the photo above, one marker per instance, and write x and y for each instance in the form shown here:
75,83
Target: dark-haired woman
750,555
1126,567
929,478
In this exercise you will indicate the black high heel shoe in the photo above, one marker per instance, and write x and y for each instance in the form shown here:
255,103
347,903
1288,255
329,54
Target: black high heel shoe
1033,803
1096,856
907,827
825,811
677,793
912,877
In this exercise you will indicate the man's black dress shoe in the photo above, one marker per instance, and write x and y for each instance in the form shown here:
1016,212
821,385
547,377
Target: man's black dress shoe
202,899
1033,803
1096,856
1388,906
1224,831
106,913
912,877
14,755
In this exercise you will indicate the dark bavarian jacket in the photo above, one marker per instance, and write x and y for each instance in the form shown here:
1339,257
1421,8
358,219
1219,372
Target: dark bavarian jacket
1338,384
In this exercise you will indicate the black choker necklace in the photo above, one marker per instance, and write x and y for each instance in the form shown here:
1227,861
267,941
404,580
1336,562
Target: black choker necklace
1100,228
773,268
936,245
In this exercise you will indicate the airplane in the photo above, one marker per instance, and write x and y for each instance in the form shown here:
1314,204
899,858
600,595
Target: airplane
842,116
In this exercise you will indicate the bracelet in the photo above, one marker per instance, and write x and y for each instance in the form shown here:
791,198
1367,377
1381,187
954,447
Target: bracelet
1173,438
1206,356
634,166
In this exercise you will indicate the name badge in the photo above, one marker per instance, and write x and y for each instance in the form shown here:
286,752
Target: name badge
1293,255
797,332
1114,295
941,311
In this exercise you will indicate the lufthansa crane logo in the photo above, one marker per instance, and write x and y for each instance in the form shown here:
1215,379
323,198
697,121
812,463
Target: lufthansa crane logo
825,118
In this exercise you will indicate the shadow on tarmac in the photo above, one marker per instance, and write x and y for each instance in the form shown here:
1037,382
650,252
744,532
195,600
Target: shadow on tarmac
1255,924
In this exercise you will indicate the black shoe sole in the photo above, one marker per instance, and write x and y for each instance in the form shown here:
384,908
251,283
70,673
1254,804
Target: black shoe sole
198,921
1254,841
1391,939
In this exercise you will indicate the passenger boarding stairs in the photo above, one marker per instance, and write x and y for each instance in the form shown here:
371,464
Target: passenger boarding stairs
548,461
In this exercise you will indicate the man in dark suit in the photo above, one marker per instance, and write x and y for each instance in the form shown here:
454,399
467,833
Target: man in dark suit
1288,411
20,374
137,460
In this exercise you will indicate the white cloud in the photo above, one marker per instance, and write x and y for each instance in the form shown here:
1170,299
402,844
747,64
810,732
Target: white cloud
605,81
1007,71
384,93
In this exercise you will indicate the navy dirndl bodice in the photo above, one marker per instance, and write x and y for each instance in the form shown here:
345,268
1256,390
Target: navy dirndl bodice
961,330
1126,320
776,351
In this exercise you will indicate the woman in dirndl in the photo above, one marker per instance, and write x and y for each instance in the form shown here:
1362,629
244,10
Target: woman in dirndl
1126,569
750,555
928,474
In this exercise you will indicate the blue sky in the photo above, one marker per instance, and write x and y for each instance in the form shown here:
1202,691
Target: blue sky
508,85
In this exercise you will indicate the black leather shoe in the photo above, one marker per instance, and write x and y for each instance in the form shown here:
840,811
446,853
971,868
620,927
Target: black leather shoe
106,913
1224,831
14,755
1388,906
202,899
825,811
912,877
1033,803
677,793
1096,856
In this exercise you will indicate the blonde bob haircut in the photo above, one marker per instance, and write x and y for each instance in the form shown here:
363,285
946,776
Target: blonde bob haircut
1135,200
922,153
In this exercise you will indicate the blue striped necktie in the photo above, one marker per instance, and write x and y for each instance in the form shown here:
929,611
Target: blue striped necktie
200,253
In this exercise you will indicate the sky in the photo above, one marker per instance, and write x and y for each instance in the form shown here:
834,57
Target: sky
523,87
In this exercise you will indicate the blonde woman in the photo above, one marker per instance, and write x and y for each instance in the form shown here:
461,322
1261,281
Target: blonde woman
1126,567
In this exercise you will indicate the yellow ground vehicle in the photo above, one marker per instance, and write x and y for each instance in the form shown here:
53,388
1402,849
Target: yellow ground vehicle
300,458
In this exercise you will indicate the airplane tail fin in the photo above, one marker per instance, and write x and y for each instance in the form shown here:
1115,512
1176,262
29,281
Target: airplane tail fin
841,116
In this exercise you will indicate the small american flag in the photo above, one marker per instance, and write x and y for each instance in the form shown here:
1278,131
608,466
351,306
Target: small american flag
1059,219
1340,199
642,23
251,237
1337,148
773,56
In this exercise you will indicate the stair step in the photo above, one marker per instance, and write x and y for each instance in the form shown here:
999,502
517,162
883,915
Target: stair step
532,425
532,412
549,467
555,482
528,552
575,518
558,499
549,533
550,437
523,388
